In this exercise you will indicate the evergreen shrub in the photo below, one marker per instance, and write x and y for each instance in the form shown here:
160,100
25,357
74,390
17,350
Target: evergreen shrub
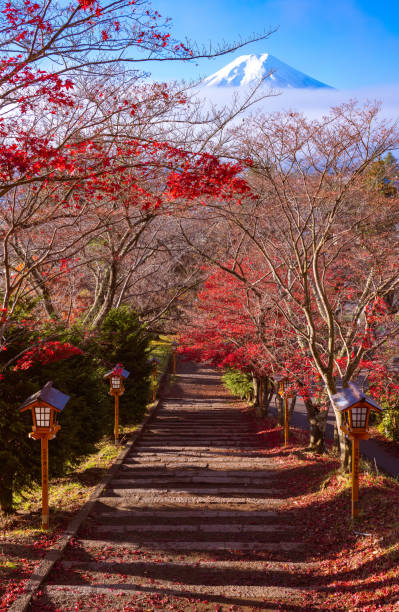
89,413
238,383
124,339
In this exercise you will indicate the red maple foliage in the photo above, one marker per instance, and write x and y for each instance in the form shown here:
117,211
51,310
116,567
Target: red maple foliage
46,352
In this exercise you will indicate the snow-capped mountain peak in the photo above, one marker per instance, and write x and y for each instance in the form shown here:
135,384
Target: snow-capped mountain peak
249,69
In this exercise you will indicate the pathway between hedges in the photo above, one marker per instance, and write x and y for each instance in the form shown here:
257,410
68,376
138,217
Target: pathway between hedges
190,522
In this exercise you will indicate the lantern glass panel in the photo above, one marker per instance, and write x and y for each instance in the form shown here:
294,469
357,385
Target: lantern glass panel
359,417
116,382
43,416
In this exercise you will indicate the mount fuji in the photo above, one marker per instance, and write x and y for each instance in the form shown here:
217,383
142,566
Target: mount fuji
250,69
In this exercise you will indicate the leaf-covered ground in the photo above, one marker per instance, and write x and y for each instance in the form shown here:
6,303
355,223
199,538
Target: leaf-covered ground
22,542
352,566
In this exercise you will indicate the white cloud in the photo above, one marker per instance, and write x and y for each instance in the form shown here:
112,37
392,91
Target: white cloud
312,102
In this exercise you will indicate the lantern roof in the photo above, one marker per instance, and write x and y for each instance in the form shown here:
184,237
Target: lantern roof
54,398
280,378
116,371
352,395
154,360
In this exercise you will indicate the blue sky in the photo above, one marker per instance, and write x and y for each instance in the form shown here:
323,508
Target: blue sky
348,44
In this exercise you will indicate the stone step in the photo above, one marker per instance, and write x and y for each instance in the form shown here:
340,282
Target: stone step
209,414
195,444
174,564
231,459
164,448
190,425
197,441
118,488
140,472
239,459
174,531
120,594
192,545
164,479
217,451
191,429
170,515
203,463
188,440
135,500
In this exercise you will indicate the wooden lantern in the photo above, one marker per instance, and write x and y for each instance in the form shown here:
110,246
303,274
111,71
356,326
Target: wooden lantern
281,383
355,408
44,405
115,377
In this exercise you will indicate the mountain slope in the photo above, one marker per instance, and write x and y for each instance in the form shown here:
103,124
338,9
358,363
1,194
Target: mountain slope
249,69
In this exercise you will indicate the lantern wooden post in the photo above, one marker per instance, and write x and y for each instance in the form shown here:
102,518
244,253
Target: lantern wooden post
282,384
116,426
355,477
286,425
44,406
44,452
355,408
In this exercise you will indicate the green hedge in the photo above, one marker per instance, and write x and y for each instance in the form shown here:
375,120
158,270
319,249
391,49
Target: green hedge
239,384
89,413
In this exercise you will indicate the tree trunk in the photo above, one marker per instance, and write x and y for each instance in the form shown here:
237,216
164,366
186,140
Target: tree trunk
261,395
105,299
317,426
256,387
345,447
336,438
268,392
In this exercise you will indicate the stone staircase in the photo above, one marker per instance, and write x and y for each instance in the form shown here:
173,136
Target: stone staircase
189,521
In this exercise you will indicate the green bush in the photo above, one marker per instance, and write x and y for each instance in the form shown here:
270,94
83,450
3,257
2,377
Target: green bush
124,339
89,413
389,425
238,383
20,464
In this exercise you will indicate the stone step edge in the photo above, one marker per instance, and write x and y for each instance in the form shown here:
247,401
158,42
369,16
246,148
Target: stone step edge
194,500
202,564
227,529
125,491
193,472
171,514
196,546
276,593
164,479
22,603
